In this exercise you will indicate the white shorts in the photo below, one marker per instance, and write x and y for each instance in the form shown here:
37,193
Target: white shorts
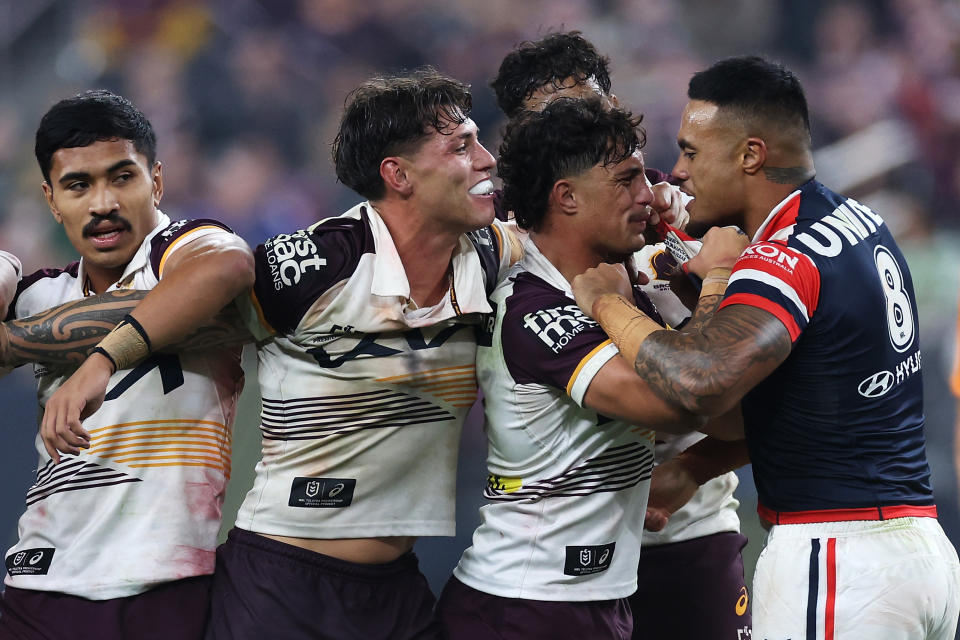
895,579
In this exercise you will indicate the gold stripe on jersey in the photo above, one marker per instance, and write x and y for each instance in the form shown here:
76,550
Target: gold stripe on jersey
583,361
179,241
455,385
649,434
262,318
186,443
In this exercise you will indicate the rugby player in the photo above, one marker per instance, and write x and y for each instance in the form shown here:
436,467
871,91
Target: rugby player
703,534
119,533
368,325
817,337
570,426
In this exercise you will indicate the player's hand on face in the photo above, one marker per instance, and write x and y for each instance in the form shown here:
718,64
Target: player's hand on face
721,248
671,487
81,395
593,283
667,206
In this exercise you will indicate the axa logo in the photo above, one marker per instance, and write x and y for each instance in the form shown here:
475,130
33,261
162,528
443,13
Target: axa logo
876,385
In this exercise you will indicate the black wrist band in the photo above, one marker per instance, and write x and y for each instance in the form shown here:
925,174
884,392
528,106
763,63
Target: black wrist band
106,355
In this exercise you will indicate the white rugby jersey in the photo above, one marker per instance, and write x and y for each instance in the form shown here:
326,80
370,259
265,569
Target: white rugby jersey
141,506
712,509
567,488
363,394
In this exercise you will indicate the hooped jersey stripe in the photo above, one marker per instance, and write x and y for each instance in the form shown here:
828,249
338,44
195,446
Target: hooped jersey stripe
192,234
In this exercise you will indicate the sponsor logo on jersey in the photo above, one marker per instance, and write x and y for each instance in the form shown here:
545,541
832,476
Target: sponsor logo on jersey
583,561
881,382
30,562
170,231
322,493
741,606
290,256
773,254
504,484
876,385
851,221
558,326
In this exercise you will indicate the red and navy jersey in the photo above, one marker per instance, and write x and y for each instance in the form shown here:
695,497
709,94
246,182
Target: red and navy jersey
839,424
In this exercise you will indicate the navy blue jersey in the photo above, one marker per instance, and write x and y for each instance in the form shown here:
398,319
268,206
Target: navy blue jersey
839,424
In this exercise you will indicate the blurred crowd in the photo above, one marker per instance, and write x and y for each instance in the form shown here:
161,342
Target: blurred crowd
245,96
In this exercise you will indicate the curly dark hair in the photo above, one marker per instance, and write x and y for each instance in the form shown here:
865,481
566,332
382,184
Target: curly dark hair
548,61
392,115
89,117
755,88
567,138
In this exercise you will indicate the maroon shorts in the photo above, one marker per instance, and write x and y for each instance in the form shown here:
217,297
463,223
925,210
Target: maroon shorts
177,609
468,614
693,590
263,588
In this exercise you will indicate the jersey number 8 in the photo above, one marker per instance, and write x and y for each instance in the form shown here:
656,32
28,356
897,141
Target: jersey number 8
899,312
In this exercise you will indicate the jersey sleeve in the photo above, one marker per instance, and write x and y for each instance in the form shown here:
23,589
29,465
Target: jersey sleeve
493,246
294,270
547,340
10,273
778,279
177,235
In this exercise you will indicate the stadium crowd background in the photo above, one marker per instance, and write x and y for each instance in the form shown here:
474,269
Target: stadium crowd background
245,96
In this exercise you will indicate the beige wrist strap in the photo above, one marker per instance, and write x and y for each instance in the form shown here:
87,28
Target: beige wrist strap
715,284
126,345
626,325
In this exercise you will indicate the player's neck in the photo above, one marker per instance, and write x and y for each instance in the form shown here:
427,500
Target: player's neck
99,279
425,251
570,258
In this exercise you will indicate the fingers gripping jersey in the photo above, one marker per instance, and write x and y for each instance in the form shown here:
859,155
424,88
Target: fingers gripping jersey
142,505
567,487
363,394
839,425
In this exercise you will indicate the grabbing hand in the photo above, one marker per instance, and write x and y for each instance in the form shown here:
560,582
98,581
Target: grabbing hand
667,206
76,399
721,248
593,283
671,486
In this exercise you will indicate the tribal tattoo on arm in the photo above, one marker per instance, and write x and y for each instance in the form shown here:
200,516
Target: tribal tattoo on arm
709,367
65,335
706,306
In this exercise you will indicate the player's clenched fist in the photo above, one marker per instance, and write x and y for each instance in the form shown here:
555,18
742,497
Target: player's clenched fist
593,283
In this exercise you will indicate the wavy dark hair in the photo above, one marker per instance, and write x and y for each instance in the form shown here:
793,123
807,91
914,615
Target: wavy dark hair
567,138
548,61
89,117
392,115
755,88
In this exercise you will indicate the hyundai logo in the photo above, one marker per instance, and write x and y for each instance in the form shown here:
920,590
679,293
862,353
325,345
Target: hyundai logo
876,385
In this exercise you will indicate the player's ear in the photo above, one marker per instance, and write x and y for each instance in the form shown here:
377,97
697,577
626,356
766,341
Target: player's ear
563,197
393,172
157,183
753,155
48,196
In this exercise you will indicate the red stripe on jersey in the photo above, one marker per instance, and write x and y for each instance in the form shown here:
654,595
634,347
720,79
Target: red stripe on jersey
831,603
847,515
753,300
784,218
794,268
663,227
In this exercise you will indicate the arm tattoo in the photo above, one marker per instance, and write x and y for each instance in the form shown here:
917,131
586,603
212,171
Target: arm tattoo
703,312
65,335
696,370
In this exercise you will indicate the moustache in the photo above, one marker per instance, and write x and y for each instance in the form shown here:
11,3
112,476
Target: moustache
91,227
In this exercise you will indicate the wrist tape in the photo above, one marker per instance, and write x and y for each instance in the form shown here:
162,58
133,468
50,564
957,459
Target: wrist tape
126,345
626,325
715,284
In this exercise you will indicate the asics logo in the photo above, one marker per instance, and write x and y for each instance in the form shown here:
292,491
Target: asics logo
876,385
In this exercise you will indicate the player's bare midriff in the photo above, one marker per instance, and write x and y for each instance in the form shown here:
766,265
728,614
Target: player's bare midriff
359,550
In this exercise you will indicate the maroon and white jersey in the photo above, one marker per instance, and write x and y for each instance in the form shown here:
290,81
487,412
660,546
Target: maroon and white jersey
10,272
568,487
364,394
712,509
142,505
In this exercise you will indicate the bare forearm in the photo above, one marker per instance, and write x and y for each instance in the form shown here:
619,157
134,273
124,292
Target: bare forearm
710,458
65,335
192,294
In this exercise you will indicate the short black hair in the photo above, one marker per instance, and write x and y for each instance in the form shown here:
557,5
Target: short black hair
548,61
755,88
567,138
392,115
90,117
